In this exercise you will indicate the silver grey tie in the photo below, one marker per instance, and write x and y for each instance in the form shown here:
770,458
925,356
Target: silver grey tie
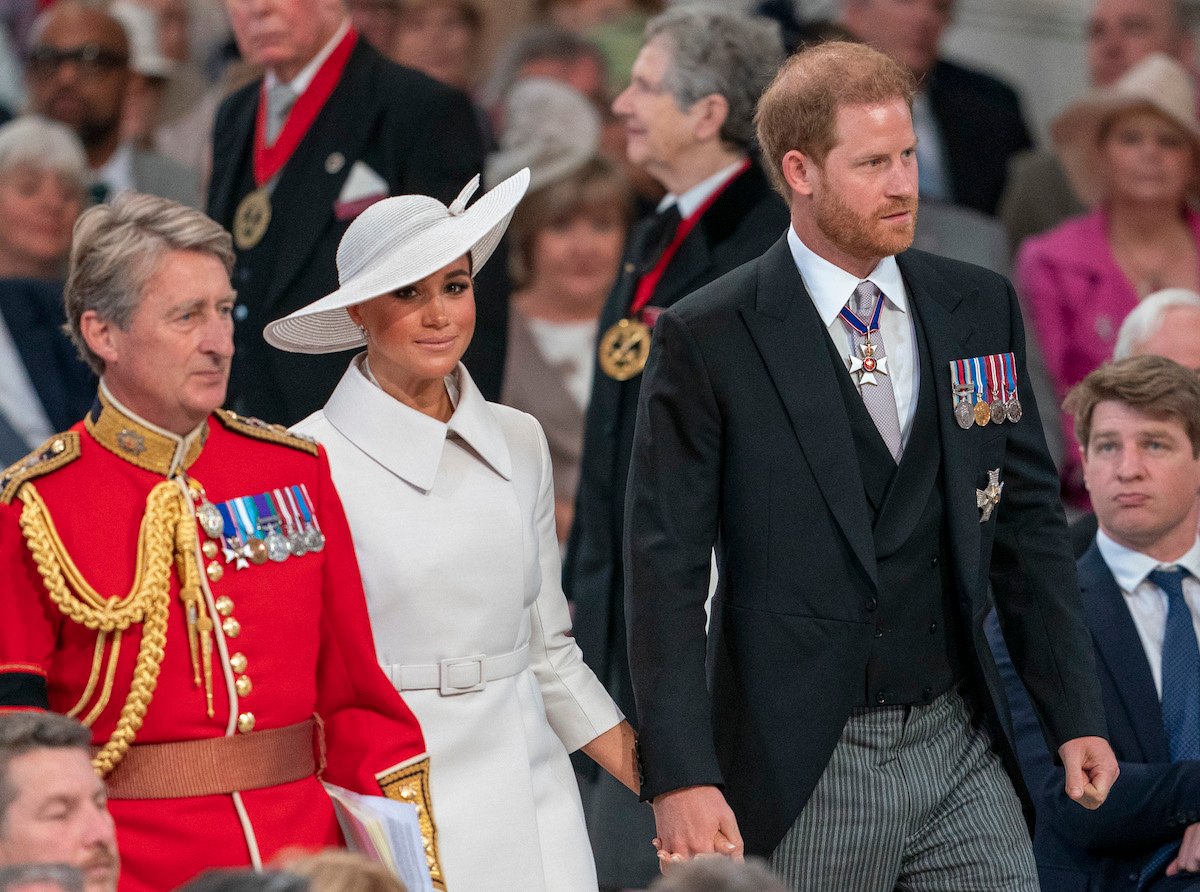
280,99
879,398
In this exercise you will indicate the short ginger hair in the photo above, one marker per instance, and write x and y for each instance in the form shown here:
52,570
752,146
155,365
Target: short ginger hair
799,109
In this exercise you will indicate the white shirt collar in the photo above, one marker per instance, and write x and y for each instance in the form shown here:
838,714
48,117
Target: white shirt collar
689,202
1130,568
831,286
300,82
117,171
410,443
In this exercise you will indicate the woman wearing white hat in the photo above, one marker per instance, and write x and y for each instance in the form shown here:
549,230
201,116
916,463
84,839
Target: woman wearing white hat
1132,151
451,505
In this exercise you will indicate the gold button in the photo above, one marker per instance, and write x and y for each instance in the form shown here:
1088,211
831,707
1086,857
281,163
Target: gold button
246,722
224,605
238,662
210,549
215,571
244,686
58,446
231,627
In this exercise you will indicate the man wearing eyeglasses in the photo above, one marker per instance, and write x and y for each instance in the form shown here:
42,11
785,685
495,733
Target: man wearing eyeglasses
78,72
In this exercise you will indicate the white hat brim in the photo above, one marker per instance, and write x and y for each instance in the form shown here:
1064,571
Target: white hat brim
324,326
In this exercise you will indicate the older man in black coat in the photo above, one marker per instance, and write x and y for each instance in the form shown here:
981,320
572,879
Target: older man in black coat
689,117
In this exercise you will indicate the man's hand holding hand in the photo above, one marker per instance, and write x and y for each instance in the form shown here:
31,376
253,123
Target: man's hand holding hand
695,821
1091,770
1188,859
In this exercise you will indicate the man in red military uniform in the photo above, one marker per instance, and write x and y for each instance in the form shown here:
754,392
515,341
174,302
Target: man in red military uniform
182,579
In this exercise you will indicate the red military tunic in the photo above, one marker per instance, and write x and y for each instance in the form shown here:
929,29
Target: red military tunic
290,639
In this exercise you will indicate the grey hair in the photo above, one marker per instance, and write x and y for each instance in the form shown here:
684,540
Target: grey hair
714,50
64,877
720,875
537,42
117,248
1147,317
34,141
25,732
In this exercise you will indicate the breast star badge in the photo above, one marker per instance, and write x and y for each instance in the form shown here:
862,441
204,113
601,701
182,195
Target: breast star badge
987,499
869,365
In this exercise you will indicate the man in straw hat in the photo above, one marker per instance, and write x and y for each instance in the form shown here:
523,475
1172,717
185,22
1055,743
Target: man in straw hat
182,580
842,419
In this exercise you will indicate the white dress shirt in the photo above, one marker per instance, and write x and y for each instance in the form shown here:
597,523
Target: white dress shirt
117,172
831,287
1147,603
689,202
19,401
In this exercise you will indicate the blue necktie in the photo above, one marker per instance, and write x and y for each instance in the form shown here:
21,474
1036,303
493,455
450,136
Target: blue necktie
1180,692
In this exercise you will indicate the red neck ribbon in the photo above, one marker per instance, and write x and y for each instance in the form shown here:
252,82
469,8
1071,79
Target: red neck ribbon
648,282
269,160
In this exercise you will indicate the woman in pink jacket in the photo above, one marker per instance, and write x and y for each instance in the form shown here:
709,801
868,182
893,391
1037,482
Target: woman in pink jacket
1132,150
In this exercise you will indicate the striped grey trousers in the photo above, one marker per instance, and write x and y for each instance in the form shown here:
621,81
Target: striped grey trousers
913,798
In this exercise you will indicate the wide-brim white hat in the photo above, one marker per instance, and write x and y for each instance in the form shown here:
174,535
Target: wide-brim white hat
1158,83
393,243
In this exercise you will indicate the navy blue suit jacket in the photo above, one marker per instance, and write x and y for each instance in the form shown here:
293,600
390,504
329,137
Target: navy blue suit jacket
33,313
1152,802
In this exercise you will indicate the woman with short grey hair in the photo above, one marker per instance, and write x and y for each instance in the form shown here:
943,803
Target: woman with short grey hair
715,50
43,386
42,173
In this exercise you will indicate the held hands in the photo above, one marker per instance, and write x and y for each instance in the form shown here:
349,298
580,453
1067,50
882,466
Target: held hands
1188,859
695,821
1091,770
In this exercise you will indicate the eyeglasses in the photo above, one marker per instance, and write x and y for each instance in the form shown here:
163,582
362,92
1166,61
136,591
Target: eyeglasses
91,59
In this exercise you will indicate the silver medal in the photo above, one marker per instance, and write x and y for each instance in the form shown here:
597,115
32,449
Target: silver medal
277,546
210,519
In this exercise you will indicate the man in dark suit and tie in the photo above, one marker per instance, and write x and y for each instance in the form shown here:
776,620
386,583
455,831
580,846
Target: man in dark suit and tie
800,414
1138,421
689,117
332,128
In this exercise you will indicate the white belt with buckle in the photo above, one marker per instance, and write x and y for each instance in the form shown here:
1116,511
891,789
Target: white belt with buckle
458,675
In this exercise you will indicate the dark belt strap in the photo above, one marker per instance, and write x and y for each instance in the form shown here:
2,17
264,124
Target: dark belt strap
215,765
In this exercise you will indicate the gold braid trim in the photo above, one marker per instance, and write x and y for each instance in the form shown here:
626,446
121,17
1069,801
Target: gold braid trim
148,602
262,430
410,784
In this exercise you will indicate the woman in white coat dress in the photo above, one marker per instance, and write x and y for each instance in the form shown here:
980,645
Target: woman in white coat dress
451,505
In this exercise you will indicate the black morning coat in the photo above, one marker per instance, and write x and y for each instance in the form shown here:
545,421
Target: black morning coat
743,441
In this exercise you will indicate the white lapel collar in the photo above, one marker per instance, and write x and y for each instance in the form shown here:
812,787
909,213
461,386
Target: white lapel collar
407,442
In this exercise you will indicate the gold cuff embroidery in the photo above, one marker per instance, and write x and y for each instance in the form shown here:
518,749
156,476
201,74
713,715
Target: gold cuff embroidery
411,784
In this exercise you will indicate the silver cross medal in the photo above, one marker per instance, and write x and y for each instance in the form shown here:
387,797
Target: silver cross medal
868,364
987,499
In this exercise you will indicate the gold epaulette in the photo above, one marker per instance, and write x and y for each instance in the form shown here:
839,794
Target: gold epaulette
59,450
262,430
410,783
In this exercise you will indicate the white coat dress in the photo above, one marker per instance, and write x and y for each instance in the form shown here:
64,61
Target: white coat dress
453,525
